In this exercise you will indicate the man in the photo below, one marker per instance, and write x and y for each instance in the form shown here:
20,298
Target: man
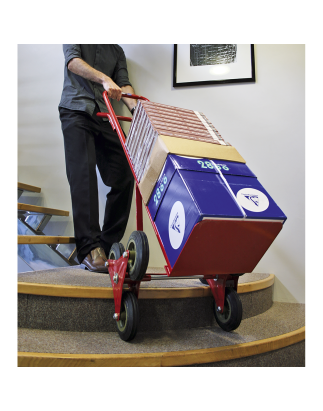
89,141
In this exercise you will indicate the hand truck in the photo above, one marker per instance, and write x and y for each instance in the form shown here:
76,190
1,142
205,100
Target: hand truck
129,266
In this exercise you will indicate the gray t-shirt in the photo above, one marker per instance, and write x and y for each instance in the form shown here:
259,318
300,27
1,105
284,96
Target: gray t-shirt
81,94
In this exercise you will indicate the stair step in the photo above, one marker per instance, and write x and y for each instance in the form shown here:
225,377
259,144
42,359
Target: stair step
39,256
72,299
42,210
79,283
27,187
45,239
283,325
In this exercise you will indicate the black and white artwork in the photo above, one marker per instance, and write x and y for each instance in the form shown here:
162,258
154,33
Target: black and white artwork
202,64
211,54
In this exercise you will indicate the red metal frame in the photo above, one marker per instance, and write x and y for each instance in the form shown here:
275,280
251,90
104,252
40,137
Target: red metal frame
116,127
218,285
118,117
119,266
139,216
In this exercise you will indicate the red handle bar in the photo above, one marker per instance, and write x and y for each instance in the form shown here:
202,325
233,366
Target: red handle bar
111,115
134,96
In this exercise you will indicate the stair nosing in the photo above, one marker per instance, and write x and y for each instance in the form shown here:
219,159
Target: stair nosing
42,210
28,187
165,359
71,291
45,239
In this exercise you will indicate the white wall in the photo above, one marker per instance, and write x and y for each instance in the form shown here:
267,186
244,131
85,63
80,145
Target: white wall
265,121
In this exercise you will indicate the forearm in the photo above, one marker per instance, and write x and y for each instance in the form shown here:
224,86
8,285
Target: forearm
129,102
81,68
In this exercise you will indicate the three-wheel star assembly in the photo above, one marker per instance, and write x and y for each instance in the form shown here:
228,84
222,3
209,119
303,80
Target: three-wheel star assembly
128,267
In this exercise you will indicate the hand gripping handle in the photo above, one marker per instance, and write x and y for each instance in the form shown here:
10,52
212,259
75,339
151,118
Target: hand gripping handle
113,118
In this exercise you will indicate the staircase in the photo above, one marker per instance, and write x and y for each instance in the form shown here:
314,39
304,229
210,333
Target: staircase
65,318
51,251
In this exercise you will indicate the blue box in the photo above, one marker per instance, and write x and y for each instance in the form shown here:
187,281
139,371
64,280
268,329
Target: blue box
190,190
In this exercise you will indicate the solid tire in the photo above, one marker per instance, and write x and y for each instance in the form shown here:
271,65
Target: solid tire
129,317
116,251
231,317
138,255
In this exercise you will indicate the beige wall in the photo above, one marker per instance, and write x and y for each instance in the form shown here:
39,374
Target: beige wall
265,121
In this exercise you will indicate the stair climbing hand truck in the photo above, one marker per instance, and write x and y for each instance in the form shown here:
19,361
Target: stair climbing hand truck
217,250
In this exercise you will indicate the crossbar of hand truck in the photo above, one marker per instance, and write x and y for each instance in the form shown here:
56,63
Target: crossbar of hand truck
128,280
191,277
120,118
165,277
123,118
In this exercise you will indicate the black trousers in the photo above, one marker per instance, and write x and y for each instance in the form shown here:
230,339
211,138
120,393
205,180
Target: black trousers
90,141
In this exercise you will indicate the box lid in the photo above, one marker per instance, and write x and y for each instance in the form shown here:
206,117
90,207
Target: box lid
164,145
233,168
210,194
201,165
193,163
211,166
255,200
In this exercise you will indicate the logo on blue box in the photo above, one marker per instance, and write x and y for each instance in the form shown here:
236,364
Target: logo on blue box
252,200
176,225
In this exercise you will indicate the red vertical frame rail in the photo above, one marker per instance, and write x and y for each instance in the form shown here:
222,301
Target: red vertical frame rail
114,121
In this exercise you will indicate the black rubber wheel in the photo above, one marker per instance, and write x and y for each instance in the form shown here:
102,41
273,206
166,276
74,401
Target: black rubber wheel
138,255
231,317
116,251
129,317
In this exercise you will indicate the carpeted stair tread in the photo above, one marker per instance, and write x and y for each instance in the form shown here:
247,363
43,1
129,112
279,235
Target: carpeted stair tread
281,318
76,276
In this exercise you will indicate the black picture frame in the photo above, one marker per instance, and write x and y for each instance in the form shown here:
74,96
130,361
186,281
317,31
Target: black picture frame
180,80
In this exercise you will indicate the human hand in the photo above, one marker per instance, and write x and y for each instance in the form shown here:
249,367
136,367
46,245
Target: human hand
112,89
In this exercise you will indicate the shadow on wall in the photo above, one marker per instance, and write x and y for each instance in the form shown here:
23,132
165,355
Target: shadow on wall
282,293
282,262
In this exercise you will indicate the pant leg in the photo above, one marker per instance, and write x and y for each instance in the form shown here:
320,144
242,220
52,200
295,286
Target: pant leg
79,132
115,173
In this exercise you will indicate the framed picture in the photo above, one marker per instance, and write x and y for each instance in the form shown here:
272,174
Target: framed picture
202,64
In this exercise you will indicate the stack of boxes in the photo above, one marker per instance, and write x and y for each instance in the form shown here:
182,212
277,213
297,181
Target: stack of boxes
200,193
153,119
158,129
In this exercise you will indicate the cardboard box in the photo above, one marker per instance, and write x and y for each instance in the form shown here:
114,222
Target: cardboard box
165,145
195,198
182,123
152,120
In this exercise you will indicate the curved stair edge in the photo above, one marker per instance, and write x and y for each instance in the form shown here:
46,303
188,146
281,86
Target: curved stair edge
107,292
162,359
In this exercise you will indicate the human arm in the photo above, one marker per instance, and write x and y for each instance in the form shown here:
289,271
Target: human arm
81,68
129,102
